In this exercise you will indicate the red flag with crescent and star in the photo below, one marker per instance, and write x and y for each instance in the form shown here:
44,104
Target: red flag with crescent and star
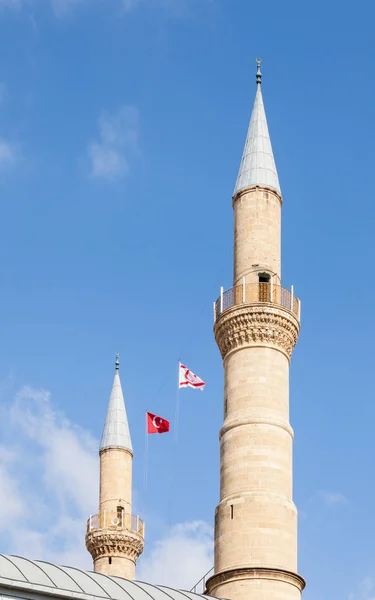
188,379
156,424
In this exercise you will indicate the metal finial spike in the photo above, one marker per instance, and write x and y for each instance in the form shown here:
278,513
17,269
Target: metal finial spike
259,74
117,362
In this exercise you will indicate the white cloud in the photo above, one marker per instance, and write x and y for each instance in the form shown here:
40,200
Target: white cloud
62,7
10,3
48,481
68,450
172,8
7,153
107,162
59,7
2,93
49,486
181,558
117,144
333,498
129,5
366,590
175,7
11,501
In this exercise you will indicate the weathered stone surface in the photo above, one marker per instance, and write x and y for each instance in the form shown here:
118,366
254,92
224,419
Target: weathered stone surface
113,541
256,324
256,519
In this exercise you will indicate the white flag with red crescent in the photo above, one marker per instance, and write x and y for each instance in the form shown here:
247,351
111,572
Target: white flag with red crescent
189,379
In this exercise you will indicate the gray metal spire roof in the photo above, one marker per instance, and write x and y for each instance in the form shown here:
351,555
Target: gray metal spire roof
116,432
258,164
35,579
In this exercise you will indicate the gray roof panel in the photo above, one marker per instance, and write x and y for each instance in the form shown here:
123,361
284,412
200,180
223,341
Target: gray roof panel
176,594
39,577
86,582
155,592
32,572
60,577
112,585
9,570
133,589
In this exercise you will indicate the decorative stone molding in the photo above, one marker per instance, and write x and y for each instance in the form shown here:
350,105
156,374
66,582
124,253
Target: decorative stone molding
244,573
256,421
107,542
256,325
255,188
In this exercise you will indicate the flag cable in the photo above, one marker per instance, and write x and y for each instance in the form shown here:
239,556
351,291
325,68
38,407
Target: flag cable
145,473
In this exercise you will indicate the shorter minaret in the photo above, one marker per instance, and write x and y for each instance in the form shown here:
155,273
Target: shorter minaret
115,537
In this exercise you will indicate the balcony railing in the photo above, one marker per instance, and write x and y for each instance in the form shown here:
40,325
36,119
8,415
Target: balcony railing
116,520
249,293
200,587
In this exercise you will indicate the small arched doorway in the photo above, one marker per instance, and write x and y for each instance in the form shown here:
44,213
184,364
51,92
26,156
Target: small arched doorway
264,287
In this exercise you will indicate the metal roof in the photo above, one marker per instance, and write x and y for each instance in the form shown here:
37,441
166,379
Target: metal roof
116,432
19,575
258,164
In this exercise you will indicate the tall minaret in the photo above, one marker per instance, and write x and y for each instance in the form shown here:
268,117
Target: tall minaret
256,328
114,537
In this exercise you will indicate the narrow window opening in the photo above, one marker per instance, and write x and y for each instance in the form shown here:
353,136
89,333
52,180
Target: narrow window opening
264,277
110,560
231,511
225,406
120,515
264,287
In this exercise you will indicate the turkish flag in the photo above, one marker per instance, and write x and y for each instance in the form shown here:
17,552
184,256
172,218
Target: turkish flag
156,424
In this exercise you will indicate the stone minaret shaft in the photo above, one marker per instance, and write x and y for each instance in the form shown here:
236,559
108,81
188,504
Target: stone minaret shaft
115,537
256,329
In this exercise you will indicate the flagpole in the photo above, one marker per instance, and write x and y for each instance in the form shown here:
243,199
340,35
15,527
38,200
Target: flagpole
177,411
146,456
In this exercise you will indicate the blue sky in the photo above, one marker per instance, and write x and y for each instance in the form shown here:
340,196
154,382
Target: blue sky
121,131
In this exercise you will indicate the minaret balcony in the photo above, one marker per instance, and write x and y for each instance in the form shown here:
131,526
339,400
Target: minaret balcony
117,521
257,294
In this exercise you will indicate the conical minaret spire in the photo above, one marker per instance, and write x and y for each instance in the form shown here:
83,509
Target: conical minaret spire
258,164
256,328
116,432
115,537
